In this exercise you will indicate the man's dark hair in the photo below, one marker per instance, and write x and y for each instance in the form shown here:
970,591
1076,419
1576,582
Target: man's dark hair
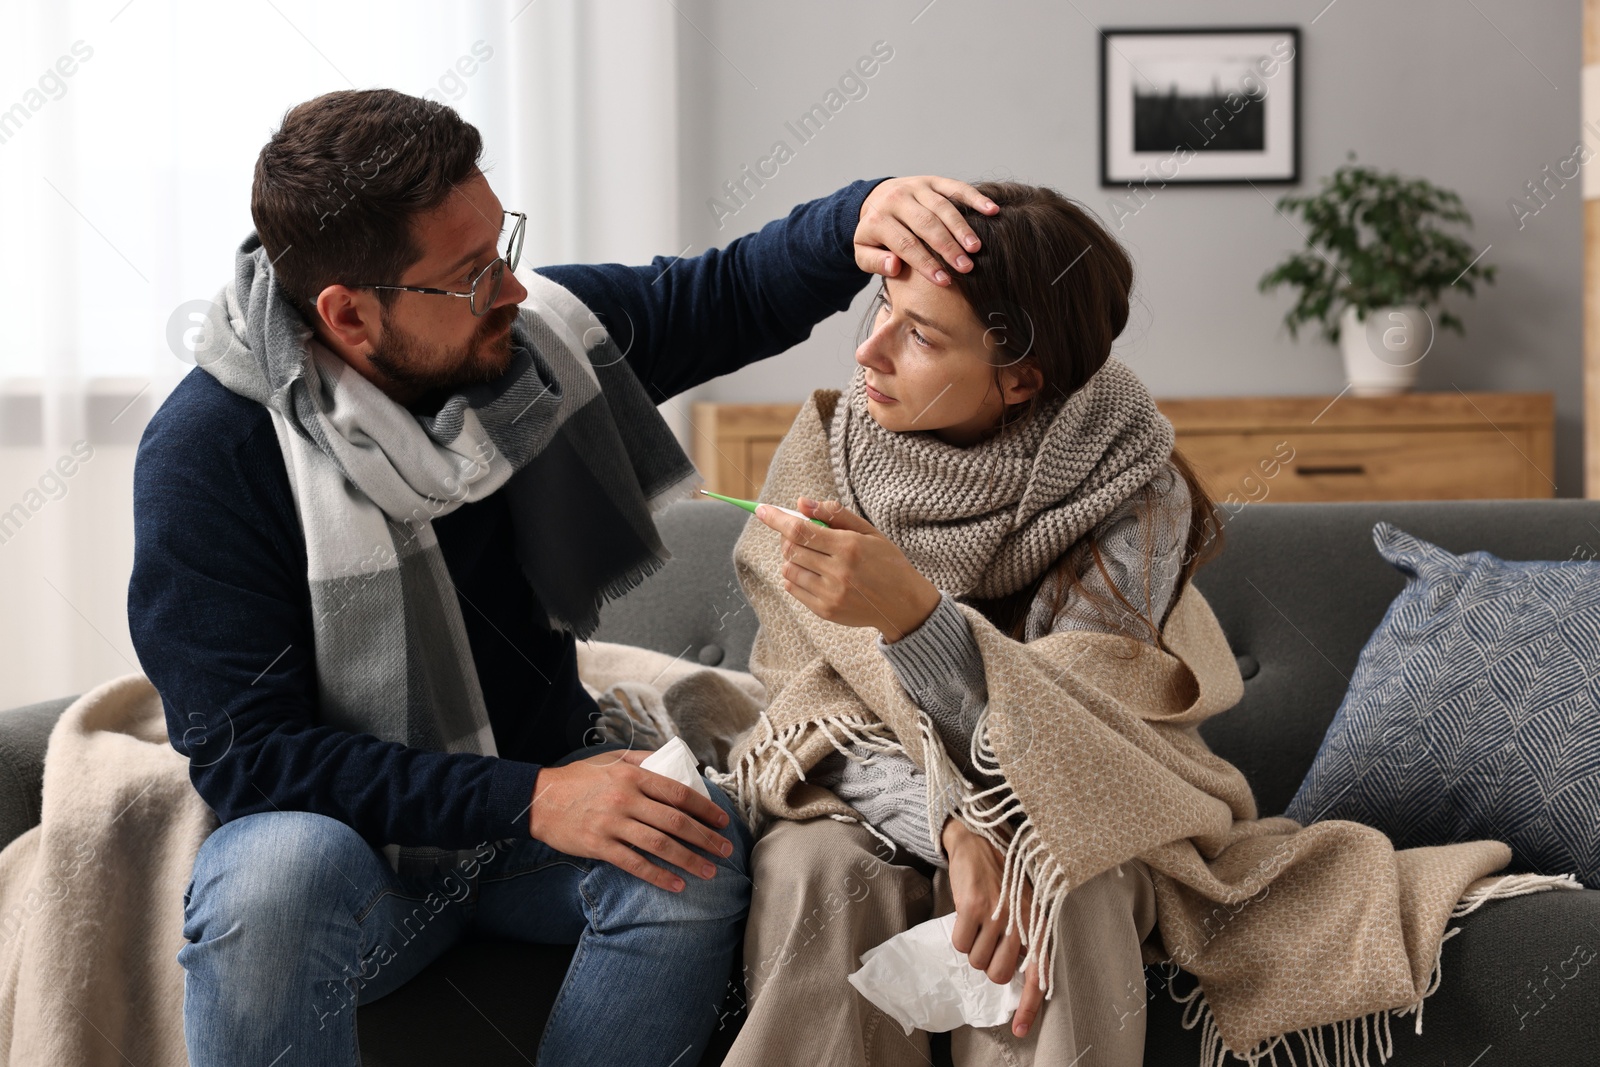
338,185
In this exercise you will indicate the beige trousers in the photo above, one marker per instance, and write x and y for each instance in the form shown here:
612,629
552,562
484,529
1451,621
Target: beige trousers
824,893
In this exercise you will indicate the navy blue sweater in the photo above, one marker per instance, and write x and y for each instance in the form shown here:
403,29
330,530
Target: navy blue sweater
220,609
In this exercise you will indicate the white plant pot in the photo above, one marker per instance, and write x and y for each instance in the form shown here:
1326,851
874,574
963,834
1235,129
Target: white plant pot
1382,353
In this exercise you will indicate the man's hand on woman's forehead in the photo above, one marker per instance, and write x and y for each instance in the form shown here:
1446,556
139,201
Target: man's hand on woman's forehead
903,218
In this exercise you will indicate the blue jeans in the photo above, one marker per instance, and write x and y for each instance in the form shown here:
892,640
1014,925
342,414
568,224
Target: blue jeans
292,919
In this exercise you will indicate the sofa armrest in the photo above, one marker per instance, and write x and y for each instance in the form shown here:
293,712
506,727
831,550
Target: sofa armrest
24,732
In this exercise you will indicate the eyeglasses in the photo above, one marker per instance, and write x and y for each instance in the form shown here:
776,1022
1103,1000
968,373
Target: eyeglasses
486,283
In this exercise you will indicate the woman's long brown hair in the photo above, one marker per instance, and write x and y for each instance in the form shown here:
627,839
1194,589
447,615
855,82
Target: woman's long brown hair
1051,287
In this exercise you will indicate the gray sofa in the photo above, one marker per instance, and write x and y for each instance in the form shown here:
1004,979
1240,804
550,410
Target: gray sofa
1298,589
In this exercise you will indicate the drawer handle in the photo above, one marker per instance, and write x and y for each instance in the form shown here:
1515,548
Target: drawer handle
1332,468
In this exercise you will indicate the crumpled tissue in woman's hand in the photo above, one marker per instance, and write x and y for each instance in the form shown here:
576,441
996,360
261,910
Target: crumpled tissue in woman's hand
923,982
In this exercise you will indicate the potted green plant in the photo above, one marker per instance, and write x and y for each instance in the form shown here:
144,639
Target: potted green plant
1376,259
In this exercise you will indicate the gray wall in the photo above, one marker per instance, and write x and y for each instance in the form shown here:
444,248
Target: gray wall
1448,91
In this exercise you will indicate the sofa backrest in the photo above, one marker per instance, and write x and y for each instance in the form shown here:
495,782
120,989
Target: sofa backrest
692,607
1298,589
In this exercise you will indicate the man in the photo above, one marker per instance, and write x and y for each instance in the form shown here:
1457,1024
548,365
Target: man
369,528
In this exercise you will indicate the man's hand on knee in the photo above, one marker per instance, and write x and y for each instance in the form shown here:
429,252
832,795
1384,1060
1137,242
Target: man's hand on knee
598,807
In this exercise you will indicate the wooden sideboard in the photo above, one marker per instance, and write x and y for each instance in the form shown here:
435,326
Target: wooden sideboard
1413,446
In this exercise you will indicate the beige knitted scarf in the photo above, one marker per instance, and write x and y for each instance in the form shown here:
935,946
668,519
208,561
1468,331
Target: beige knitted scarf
1286,928
988,519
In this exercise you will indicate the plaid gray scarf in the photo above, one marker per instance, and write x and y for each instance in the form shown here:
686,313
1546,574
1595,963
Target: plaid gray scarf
568,432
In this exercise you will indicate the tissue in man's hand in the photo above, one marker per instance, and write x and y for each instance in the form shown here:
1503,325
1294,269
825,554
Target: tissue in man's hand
920,980
674,760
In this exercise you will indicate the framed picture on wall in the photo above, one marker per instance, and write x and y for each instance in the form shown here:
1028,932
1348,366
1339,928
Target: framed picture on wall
1216,105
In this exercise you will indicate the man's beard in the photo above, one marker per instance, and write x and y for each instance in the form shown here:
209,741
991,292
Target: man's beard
406,361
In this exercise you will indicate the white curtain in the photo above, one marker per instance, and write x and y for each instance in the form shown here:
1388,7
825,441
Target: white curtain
127,144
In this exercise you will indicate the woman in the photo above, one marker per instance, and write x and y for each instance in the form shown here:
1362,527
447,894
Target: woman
990,670
1069,515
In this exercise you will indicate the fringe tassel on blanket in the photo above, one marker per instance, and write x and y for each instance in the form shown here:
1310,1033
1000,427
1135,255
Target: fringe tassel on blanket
894,849
744,781
1027,859
1354,1038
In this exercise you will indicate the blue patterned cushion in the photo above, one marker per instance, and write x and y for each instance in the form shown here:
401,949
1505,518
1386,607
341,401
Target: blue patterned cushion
1474,711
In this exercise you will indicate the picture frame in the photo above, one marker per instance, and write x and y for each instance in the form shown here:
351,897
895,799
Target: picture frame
1213,105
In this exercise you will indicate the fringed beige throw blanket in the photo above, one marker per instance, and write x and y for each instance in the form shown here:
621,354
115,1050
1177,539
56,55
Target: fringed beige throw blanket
1286,928
91,900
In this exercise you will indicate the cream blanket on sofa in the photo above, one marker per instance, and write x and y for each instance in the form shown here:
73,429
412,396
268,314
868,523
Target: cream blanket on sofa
91,899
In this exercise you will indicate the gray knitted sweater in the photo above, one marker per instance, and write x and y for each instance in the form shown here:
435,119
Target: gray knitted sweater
939,666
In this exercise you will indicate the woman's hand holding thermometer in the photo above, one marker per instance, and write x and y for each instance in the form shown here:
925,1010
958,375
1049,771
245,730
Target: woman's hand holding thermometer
840,567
